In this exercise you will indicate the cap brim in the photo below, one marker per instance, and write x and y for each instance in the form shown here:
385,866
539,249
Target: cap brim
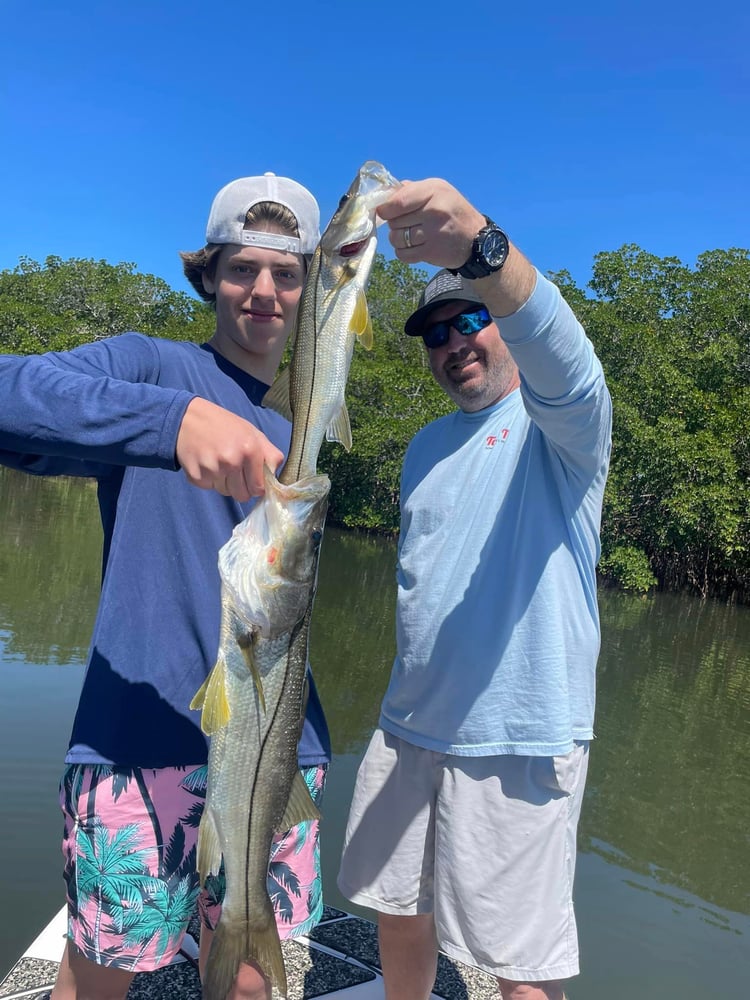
416,322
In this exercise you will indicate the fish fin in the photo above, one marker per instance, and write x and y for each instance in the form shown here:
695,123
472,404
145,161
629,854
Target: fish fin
200,696
212,698
236,943
252,666
300,806
209,847
340,429
361,324
277,397
266,952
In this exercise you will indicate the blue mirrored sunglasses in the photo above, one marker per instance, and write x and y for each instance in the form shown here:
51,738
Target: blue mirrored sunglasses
467,322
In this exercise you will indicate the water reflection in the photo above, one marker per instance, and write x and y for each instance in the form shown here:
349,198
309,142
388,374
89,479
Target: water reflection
669,783
352,639
663,873
50,554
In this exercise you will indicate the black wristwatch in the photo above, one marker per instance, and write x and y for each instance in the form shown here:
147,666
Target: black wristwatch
489,252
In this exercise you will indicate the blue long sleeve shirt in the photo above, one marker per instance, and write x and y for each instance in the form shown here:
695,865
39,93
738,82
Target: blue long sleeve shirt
497,623
112,410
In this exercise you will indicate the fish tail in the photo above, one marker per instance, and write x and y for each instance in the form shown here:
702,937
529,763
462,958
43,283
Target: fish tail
236,943
265,951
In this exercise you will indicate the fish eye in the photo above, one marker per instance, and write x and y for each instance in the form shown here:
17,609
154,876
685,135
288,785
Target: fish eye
317,535
344,199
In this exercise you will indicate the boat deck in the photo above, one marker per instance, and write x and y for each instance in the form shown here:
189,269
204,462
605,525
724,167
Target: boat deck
339,960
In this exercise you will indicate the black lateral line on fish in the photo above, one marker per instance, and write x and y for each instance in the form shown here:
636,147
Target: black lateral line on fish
311,393
269,729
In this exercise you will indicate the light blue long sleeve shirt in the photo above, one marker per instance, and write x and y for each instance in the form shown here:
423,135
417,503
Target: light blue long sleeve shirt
497,623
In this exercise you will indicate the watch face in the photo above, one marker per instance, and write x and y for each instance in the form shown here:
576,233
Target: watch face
495,248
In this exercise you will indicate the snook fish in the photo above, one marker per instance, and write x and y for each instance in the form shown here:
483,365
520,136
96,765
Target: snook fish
253,701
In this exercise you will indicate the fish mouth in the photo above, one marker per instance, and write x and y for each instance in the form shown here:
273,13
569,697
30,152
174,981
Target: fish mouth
352,249
354,221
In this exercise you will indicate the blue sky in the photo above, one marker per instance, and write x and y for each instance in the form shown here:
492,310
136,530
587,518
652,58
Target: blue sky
577,127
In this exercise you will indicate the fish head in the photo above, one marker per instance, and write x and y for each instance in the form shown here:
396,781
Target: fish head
354,221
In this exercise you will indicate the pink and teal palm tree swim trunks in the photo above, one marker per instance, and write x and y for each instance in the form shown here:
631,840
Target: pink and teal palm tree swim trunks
129,845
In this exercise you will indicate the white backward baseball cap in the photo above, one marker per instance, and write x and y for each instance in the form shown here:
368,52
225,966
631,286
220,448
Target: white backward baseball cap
226,220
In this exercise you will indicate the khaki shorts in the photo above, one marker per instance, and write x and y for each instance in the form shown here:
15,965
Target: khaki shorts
487,844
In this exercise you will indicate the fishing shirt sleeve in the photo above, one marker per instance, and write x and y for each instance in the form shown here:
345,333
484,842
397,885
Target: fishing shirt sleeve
562,382
73,412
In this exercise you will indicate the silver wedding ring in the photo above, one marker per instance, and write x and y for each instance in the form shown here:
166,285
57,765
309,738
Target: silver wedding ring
407,237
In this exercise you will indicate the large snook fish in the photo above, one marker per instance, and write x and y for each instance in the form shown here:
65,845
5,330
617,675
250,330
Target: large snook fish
253,702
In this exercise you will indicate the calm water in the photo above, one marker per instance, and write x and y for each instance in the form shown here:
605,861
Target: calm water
662,886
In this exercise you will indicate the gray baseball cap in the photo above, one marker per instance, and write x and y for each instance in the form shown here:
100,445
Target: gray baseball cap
226,221
442,287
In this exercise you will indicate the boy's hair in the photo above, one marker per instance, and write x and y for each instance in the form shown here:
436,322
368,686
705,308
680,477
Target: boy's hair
199,262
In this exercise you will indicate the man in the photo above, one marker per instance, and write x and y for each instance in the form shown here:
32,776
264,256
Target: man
463,823
176,438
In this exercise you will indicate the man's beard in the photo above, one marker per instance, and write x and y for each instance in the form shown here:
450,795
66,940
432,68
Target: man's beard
477,391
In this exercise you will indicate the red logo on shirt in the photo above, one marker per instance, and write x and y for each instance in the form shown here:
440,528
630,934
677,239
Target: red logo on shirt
492,439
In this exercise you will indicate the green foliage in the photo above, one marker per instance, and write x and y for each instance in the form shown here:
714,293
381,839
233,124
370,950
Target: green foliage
674,346
674,342
60,304
630,567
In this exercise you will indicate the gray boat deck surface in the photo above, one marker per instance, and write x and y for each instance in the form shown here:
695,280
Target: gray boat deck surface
339,960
